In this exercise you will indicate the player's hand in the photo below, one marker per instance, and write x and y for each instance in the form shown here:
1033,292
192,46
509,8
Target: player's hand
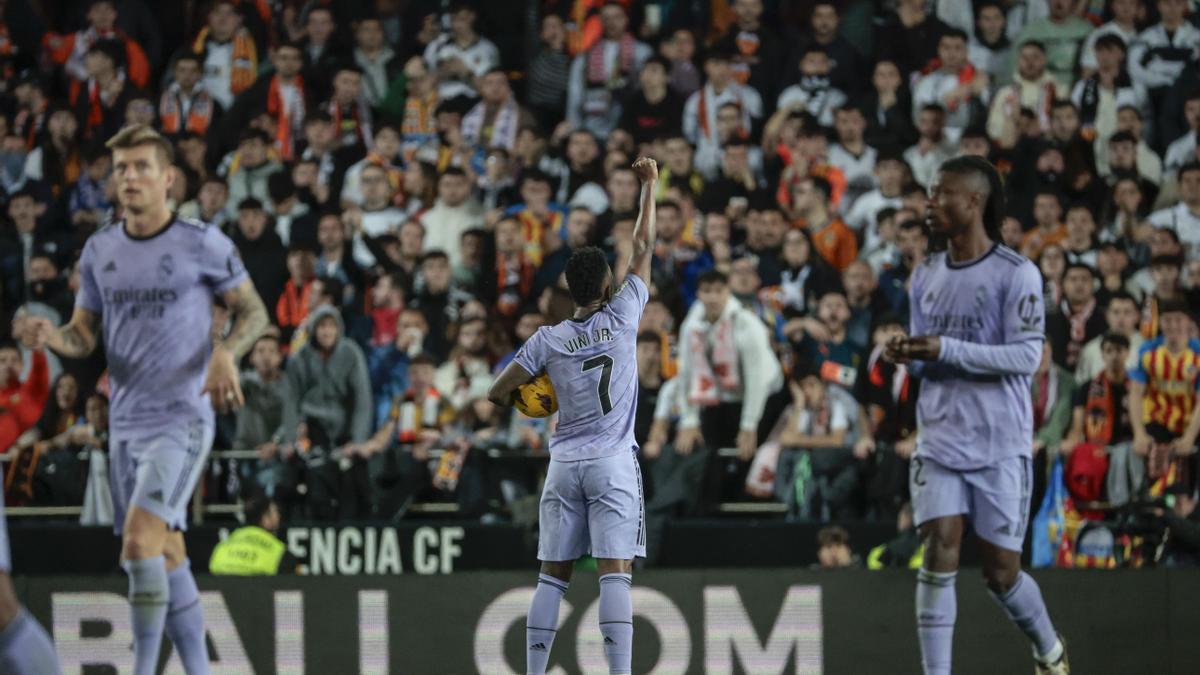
892,351
222,384
920,348
1183,446
904,449
864,448
747,444
685,440
652,449
43,333
646,169
1142,444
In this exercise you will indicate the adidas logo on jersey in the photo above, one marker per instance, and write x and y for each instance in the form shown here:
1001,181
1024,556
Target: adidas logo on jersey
538,647
609,641
157,496
111,266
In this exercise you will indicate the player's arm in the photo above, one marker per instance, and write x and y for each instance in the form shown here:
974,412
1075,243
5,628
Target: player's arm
505,385
645,230
249,321
75,340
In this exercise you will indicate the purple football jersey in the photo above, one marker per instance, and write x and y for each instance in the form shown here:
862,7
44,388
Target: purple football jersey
155,298
592,363
972,418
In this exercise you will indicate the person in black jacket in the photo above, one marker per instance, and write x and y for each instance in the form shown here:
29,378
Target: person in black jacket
261,250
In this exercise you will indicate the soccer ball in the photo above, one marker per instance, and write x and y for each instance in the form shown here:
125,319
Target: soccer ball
536,398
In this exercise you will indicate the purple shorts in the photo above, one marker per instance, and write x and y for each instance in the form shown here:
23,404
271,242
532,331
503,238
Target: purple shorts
995,499
593,506
157,469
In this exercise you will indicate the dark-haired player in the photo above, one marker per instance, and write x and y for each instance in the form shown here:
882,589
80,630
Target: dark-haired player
148,282
978,325
592,500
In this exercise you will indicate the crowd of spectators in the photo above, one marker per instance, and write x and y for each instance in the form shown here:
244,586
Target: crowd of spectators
405,181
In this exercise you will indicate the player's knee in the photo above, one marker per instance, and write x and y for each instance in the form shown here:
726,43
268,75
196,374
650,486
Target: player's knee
1000,578
558,569
139,545
614,566
941,552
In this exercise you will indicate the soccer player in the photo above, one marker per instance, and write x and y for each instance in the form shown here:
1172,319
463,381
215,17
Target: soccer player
977,330
151,278
592,500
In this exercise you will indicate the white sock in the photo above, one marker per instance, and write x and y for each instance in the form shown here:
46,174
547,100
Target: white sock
616,622
542,622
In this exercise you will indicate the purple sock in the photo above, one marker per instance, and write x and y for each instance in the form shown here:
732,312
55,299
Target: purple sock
148,595
616,621
937,608
542,623
26,649
1024,605
185,620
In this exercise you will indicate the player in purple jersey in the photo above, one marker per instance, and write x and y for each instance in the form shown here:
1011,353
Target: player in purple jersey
977,330
148,281
592,499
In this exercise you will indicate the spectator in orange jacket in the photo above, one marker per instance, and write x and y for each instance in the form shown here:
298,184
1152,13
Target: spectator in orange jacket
21,403
831,238
69,50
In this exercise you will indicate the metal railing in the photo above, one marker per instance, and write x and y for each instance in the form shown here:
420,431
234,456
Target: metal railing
200,509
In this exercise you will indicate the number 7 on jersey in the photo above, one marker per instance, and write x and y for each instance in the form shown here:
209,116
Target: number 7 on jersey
605,362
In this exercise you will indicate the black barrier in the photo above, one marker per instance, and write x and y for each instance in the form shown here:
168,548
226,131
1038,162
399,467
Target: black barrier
687,621
438,547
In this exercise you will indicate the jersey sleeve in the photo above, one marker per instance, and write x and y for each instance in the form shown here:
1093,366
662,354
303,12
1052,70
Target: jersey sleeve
630,300
89,297
532,355
1138,372
221,267
1024,309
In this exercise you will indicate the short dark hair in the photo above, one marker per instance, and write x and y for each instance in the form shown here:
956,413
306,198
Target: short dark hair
1079,266
1173,305
1122,137
1167,260
435,254
712,276
536,176
1116,339
255,507
586,271
822,185
833,535
423,359
1187,168
1032,43
957,33
1110,41
1122,296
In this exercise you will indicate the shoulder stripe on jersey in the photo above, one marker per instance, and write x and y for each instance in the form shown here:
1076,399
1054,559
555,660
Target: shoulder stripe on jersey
1010,255
198,224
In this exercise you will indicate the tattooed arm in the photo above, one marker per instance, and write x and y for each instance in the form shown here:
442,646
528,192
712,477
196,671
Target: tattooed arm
75,340
249,321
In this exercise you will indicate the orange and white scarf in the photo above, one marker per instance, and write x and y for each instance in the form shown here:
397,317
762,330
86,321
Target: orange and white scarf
199,112
285,125
244,62
411,417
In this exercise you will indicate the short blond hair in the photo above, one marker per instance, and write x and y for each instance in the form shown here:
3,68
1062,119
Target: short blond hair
136,135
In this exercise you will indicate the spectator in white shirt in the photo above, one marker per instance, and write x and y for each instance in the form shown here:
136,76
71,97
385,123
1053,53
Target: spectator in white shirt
1123,25
1183,150
700,111
892,173
990,49
600,75
931,149
851,154
454,212
955,85
814,93
460,55
1184,217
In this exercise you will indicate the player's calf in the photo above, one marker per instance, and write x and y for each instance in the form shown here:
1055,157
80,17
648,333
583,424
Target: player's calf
616,614
25,647
144,537
541,625
1021,599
